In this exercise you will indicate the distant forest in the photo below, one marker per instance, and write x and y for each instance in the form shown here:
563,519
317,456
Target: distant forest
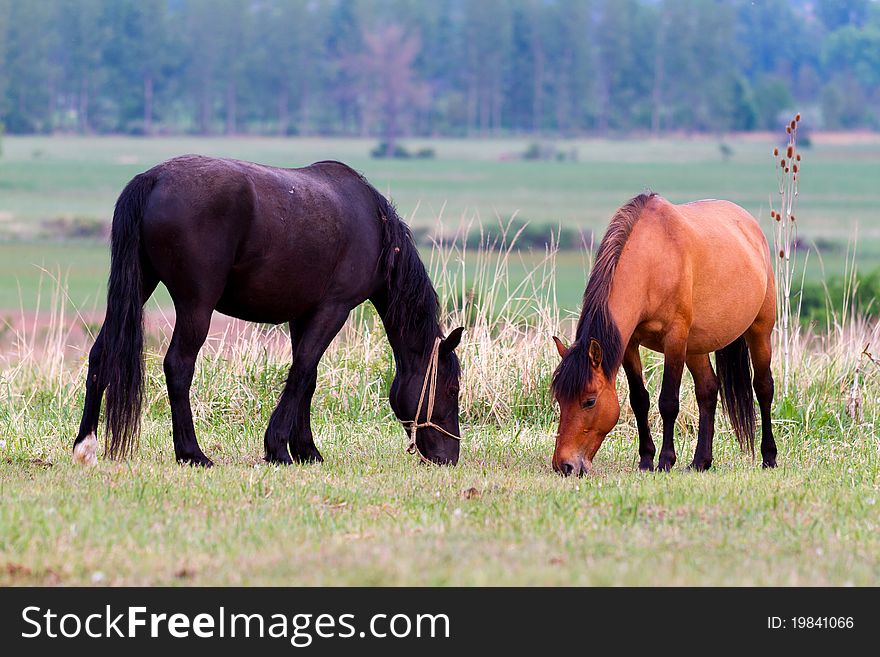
393,68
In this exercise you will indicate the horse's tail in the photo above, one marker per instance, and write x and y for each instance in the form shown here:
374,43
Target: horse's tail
122,368
735,374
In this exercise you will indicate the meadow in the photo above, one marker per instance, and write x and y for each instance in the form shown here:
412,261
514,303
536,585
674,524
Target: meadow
371,514
55,187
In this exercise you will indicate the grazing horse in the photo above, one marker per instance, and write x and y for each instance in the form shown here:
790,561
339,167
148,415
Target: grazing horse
270,245
683,280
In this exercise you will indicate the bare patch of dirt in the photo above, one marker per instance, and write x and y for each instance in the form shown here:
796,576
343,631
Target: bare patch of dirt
471,493
16,574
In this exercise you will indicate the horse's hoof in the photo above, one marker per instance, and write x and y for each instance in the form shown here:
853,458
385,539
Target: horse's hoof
85,452
768,464
308,454
665,466
198,460
646,466
278,459
699,467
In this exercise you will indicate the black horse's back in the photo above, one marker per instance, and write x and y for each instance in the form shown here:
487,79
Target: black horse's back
277,242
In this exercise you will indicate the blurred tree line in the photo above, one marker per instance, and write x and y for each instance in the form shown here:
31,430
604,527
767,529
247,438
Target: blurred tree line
445,67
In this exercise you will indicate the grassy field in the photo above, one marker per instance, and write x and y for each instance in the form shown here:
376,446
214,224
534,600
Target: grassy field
28,271
371,514
44,180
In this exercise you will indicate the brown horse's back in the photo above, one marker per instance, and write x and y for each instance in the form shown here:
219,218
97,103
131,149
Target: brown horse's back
732,272
709,267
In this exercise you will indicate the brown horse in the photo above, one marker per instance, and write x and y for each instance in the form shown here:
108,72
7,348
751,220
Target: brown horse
684,280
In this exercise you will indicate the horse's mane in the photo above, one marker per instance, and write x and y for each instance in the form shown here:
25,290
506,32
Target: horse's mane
413,306
595,323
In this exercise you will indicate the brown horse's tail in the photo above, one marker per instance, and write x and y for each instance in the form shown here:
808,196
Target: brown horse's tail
735,373
121,368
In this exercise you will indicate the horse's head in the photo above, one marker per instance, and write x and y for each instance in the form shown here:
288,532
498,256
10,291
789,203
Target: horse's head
427,396
588,407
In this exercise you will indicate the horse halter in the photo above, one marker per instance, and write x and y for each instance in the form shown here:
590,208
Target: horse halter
429,386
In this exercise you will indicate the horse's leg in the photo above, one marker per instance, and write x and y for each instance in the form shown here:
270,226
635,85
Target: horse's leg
640,402
290,423
758,338
706,387
278,431
190,330
85,447
674,351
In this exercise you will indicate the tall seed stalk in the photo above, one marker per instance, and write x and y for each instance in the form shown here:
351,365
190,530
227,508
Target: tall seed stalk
788,166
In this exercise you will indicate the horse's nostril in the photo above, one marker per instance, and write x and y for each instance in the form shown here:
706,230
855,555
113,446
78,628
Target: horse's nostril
566,468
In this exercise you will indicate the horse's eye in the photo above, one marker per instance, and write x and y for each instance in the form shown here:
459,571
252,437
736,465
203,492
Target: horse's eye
453,392
588,403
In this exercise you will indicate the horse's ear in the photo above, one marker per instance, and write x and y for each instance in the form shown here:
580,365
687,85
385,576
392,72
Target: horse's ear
595,354
451,341
561,348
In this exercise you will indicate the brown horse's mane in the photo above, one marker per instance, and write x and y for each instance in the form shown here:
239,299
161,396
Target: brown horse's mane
595,323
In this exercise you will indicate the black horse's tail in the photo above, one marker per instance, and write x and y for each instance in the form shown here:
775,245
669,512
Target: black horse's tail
121,368
735,373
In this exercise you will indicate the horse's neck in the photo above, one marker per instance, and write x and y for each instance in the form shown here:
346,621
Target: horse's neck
408,344
410,350
625,301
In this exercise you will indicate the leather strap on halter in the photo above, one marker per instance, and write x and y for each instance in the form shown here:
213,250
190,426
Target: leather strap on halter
429,386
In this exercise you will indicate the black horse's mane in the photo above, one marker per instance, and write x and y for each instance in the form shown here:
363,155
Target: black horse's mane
413,305
574,371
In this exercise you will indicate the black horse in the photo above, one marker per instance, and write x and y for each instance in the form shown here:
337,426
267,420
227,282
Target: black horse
270,245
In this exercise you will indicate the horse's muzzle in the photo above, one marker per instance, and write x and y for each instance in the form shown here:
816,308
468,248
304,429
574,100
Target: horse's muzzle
575,465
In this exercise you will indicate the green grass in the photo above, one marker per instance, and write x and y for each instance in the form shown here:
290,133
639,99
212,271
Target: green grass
28,269
44,178
372,515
